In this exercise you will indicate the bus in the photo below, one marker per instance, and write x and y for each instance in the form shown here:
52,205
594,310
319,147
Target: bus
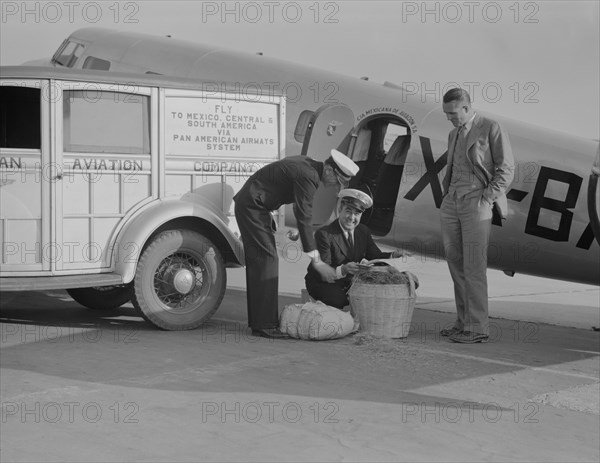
119,187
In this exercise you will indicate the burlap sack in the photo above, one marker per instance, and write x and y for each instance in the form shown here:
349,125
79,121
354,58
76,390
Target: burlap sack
315,321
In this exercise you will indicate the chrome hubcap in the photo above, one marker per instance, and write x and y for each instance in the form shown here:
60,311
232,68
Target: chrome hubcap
179,281
184,281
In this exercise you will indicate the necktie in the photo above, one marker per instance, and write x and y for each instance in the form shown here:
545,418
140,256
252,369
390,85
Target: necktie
458,135
350,241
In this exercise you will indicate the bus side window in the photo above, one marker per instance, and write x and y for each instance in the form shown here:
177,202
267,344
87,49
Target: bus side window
106,122
20,123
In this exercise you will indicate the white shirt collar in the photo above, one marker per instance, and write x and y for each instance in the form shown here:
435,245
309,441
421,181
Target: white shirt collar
346,232
467,125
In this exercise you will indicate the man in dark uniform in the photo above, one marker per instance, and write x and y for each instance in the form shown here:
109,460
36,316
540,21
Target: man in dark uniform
343,244
292,180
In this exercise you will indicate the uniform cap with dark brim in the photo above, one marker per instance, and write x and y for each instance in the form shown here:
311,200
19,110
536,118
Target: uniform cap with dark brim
355,198
344,167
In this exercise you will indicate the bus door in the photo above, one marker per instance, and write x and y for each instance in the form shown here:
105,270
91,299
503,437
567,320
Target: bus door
105,138
24,172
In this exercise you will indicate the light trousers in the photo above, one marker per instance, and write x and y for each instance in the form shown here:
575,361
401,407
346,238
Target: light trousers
466,224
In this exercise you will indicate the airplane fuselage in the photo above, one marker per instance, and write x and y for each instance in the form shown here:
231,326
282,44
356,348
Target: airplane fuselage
548,231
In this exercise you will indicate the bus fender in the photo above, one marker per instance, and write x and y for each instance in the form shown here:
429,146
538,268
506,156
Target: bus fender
135,233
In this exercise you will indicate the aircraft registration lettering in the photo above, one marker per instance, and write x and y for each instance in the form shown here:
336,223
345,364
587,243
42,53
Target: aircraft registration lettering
430,177
540,199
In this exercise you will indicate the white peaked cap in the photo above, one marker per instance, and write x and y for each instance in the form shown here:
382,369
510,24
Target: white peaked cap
345,165
358,199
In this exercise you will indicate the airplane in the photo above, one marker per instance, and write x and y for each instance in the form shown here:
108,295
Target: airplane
399,140
552,229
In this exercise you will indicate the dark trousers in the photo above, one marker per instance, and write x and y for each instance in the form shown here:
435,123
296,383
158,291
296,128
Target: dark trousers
262,264
333,294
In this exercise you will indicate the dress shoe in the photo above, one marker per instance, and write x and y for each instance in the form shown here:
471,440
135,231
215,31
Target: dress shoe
272,333
450,331
468,337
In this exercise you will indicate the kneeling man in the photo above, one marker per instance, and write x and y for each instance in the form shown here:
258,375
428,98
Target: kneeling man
343,244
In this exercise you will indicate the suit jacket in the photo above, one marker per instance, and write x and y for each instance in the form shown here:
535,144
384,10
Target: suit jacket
490,156
334,249
294,179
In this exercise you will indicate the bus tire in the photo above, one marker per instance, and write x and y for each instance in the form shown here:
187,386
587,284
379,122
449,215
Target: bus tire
180,280
102,297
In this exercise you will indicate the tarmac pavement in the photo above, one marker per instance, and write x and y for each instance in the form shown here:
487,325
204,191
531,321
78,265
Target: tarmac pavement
84,385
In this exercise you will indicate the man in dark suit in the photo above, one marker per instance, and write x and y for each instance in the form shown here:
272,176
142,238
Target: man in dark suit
480,169
292,180
343,244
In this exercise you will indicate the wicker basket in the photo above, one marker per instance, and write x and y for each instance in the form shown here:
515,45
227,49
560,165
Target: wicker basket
384,310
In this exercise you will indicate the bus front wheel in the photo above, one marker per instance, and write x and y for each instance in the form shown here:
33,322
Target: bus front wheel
180,280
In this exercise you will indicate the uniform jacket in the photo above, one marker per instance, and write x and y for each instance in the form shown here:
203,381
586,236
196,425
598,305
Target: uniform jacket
490,156
292,180
334,249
